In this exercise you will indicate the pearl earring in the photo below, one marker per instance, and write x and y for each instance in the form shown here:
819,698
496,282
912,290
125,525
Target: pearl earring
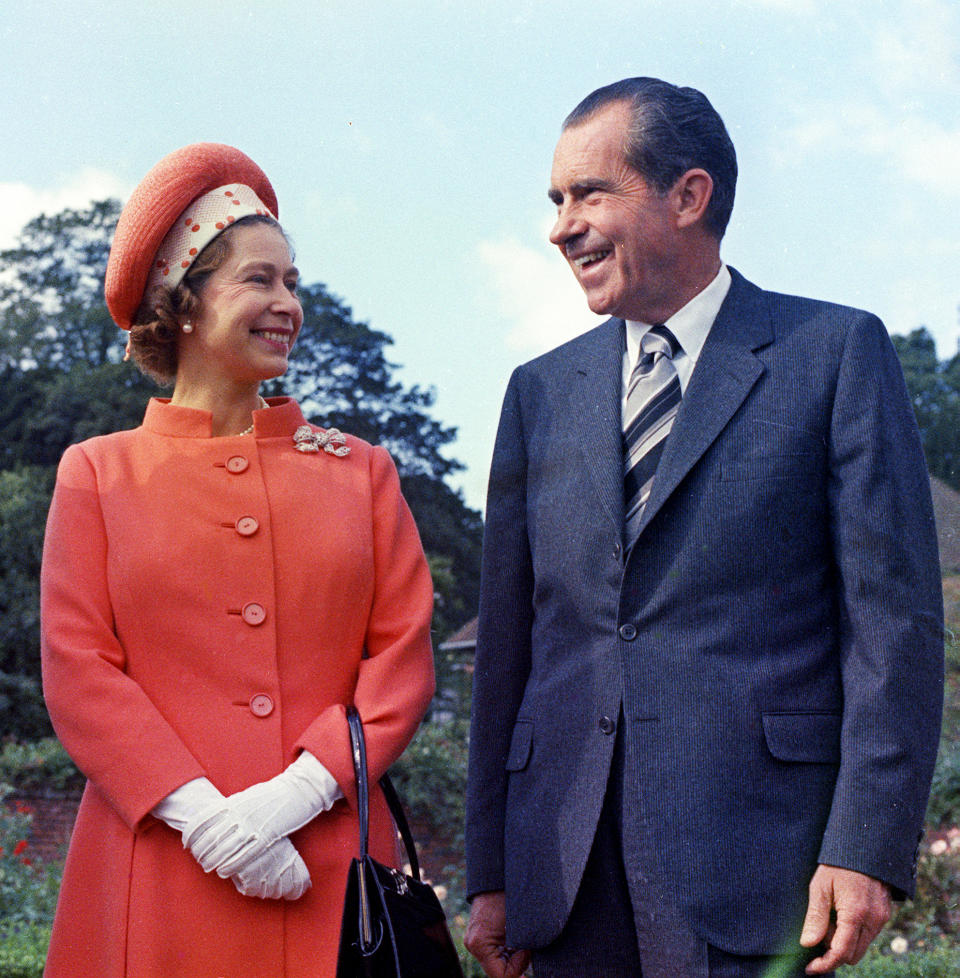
187,327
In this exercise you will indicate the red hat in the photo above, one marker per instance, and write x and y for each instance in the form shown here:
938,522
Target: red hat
156,204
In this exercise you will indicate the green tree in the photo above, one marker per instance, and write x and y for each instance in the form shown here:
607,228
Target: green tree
934,388
43,409
51,286
342,377
24,499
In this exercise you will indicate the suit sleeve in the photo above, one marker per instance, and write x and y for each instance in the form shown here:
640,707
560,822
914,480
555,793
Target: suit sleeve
395,682
105,720
891,615
503,648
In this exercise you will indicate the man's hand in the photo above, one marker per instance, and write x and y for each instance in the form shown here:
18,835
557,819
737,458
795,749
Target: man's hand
485,936
862,906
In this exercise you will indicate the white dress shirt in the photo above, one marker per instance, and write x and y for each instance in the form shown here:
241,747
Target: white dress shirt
690,325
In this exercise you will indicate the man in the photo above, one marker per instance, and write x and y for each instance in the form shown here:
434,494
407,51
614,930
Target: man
709,662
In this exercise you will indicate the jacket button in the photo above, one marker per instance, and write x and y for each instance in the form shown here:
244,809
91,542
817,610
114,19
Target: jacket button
261,705
237,464
607,725
253,613
247,526
628,632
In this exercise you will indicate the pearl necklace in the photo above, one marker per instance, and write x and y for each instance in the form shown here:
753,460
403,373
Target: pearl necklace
249,431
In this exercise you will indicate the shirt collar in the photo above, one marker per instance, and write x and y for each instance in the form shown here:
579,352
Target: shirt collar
691,323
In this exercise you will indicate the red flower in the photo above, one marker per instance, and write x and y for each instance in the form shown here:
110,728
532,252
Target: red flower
26,861
23,808
20,847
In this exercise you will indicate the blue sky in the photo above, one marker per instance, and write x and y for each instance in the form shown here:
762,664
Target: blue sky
410,147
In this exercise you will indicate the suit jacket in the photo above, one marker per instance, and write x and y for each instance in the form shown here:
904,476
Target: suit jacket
774,639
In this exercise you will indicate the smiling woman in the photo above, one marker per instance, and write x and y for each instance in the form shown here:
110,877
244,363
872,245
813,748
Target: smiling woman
204,629
154,334
245,324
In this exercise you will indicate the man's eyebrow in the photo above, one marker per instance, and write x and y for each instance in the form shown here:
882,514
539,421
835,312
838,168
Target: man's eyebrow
580,187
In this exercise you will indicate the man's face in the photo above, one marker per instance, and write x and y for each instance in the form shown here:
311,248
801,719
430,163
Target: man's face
617,233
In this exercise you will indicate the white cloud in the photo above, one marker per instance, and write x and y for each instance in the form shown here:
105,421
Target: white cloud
930,155
536,292
796,7
923,150
20,203
898,103
919,48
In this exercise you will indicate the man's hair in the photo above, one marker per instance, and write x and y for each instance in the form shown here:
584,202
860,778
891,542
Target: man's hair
672,130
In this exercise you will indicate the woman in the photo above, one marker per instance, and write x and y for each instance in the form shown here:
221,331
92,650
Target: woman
217,585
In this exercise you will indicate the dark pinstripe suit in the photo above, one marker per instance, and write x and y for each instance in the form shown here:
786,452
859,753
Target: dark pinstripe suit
774,638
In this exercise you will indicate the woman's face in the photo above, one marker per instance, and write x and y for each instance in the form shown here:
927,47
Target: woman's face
249,315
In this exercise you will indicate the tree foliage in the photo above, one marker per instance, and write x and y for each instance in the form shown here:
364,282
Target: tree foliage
343,379
934,387
24,498
51,285
62,380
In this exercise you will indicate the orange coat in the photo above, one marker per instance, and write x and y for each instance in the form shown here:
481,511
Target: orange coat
209,606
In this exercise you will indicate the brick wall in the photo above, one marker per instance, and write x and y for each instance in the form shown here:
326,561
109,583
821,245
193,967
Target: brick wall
53,818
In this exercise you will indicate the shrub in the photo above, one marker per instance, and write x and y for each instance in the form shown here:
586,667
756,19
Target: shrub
944,807
28,895
933,916
431,778
432,773
22,711
943,962
38,765
28,890
23,950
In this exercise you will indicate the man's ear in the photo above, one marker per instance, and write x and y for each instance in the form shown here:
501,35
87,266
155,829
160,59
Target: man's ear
691,194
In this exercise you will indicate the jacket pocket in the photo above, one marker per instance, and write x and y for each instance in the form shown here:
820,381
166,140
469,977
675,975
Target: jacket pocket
768,467
767,450
811,738
520,745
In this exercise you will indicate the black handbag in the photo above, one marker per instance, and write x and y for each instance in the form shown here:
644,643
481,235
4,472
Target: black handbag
393,924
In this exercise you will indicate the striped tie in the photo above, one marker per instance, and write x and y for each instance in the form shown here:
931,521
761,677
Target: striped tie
652,402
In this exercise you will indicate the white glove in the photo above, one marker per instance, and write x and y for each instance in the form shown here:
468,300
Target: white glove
217,836
199,812
184,803
275,808
278,873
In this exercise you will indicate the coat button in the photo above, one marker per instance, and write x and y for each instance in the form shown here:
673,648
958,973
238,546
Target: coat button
247,526
261,705
607,725
628,632
253,613
237,464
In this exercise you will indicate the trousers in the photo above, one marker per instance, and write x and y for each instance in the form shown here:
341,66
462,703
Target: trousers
624,923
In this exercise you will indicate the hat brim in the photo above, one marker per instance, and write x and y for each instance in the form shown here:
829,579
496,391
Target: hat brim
161,197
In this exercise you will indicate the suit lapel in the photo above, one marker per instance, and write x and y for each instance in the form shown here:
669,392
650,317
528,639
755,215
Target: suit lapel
596,379
725,373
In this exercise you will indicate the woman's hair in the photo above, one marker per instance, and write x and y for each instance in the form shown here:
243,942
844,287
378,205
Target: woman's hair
156,327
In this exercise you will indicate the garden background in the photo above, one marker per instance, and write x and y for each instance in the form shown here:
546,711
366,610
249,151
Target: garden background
62,379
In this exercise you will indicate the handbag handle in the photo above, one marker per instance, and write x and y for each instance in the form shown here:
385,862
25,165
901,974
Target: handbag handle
359,751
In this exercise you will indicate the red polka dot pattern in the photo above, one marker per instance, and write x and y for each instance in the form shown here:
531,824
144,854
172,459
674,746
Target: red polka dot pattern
167,202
